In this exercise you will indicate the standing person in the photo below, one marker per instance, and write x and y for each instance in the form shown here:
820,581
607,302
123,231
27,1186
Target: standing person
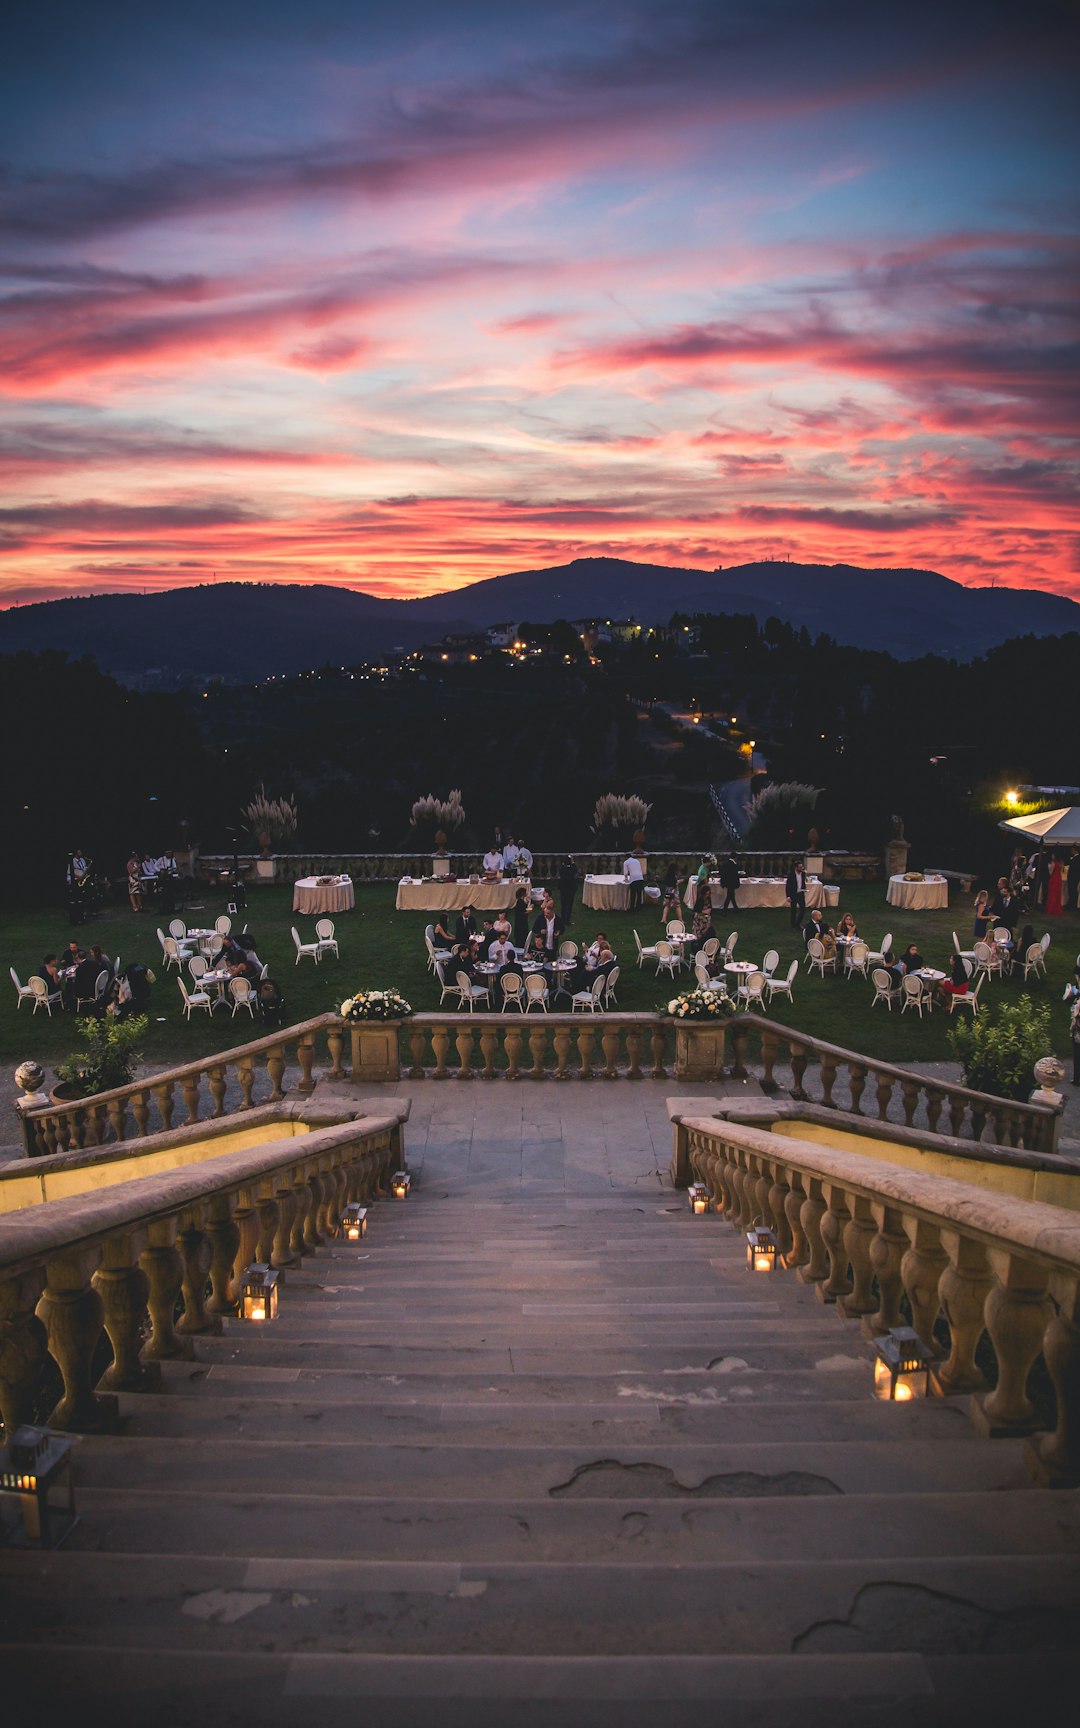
134,886
521,918
568,881
795,893
634,873
1074,1033
549,925
730,878
670,903
702,925
1042,876
524,859
510,856
1053,887
1072,889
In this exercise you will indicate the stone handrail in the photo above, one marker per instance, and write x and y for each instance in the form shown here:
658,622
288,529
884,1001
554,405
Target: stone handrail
122,1257
150,1103
866,1235
535,1046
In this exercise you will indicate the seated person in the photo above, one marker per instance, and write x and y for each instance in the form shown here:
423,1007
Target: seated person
1019,946
502,926
50,971
592,952
72,954
440,935
100,958
82,986
501,952
956,984
487,937
817,925
846,927
536,950
134,991
465,926
463,960
603,960
493,864
911,960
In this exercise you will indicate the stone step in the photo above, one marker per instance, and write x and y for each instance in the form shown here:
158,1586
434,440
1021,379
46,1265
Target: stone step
807,1607
116,1683
616,1532
249,1456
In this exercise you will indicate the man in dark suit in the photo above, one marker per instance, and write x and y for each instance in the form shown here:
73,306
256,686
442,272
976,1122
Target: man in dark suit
465,926
795,890
730,877
1005,908
549,925
568,881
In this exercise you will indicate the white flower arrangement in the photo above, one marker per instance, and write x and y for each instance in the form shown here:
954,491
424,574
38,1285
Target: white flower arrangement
376,1005
700,1005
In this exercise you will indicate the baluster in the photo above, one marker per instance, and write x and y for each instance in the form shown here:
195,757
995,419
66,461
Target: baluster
816,1266
798,1069
1017,1312
416,1046
189,1085
282,1254
164,1268
740,1038
562,1043
1055,1457
440,1044
921,1268
856,1086
246,1219
859,1234
934,1103
140,1109
93,1118
313,1236
512,1044
302,1204
123,1287
335,1040
609,1043
886,1253
884,1090
658,1045
224,1238
266,1210
776,1198
770,1051
23,1347
799,1252
963,1287
275,1068
117,1111
339,1194
73,1313
828,1078
957,1112
326,1188
489,1049
909,1091
537,1049
305,1055
464,1042
747,1189
586,1038
833,1223
245,1074
197,1253
978,1121
216,1083
633,1052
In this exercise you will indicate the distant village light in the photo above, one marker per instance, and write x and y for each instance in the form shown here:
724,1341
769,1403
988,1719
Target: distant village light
1012,797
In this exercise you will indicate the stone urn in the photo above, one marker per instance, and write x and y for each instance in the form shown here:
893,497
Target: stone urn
265,845
440,843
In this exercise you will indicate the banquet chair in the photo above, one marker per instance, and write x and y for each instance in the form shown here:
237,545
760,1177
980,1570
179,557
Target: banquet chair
243,996
702,978
752,990
512,985
223,925
161,938
177,928
647,952
170,948
770,962
1002,935
590,998
100,982
709,948
43,996
447,989
964,953
781,986
667,959
916,994
568,951
194,999
876,957
536,992
1033,961
989,959
609,987
675,927
885,988
468,992
325,940
25,992
436,956
970,999
302,948
857,959
728,948
816,957
197,965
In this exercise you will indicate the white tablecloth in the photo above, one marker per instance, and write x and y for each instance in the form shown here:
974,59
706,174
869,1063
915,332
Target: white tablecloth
763,891
308,896
606,893
918,896
442,896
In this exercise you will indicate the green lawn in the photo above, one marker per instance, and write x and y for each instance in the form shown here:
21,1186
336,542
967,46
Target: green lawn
380,946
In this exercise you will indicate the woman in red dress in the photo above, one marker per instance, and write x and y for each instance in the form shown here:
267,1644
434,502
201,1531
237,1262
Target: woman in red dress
1053,887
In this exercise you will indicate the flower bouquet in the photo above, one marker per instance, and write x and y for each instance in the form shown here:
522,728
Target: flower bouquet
700,1005
375,1005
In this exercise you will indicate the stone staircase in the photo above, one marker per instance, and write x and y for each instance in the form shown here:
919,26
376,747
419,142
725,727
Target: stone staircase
540,1450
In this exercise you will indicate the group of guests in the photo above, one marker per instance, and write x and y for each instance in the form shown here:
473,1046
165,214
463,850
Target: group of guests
147,874
1047,880
75,974
507,941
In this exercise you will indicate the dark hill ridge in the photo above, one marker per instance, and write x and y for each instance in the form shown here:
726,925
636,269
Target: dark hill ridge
255,629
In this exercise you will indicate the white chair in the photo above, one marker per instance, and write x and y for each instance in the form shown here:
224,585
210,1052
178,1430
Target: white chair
24,990
590,998
668,959
470,993
704,981
309,948
782,986
989,959
536,992
752,990
512,985
161,938
964,953
885,988
857,959
709,948
816,957
223,925
447,989
876,957
170,948
436,956
1033,961
675,927
1044,940
325,940
729,945
99,985
43,996
1002,935
648,952
770,962
197,965
243,996
916,994
177,928
568,951
609,987
969,1000
194,999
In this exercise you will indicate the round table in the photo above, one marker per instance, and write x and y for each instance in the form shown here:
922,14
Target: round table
930,975
742,967
918,896
315,897
606,893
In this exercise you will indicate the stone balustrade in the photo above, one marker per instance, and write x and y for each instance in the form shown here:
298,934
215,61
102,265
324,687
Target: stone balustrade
870,1236
391,866
158,1259
533,1046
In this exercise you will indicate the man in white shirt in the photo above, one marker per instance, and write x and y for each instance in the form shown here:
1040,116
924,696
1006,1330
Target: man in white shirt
493,863
510,855
550,926
524,859
634,873
501,952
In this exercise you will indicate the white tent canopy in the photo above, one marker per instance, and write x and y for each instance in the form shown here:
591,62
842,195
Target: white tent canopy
1052,827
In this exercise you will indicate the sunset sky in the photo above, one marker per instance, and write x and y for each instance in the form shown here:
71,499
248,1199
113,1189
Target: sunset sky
405,296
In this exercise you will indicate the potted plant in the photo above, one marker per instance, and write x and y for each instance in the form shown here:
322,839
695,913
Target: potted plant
375,1018
273,821
108,1058
701,1018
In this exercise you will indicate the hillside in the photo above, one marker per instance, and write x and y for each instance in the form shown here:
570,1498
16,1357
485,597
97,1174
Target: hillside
255,630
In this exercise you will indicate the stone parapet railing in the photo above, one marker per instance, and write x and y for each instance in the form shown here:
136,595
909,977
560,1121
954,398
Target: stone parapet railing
158,1259
533,1046
391,866
868,1234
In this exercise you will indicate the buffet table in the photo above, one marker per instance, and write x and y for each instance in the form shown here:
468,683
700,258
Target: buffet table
606,893
918,896
312,896
764,891
436,894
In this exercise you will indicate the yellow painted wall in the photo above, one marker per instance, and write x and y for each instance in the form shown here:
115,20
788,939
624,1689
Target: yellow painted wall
1046,1185
32,1190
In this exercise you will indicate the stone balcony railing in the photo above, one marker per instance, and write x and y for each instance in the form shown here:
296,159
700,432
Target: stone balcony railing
868,1234
157,1259
391,866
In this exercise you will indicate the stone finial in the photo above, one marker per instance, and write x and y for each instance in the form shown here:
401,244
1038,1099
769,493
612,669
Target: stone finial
1048,1070
30,1076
